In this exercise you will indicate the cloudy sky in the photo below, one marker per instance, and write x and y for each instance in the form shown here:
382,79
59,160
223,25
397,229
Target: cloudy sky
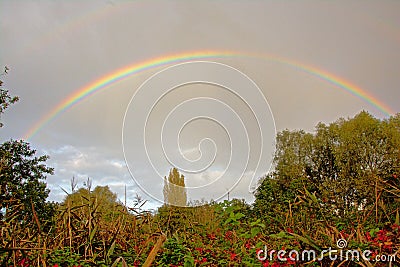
305,57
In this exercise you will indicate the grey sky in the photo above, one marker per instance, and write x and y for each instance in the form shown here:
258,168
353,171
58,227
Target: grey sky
54,48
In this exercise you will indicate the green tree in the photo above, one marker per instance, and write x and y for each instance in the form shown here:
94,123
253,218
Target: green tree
24,212
5,98
101,202
23,191
347,169
174,189
352,161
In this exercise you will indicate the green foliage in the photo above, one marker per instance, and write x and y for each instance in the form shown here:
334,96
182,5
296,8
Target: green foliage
23,191
170,219
216,234
173,253
340,182
24,212
5,98
65,257
99,202
340,173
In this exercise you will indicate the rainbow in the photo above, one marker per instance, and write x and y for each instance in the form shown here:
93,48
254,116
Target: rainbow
126,72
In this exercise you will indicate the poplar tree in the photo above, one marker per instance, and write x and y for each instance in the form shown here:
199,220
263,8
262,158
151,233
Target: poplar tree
174,189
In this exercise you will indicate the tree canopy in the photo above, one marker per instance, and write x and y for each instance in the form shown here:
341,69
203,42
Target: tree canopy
23,190
174,189
349,167
100,202
5,98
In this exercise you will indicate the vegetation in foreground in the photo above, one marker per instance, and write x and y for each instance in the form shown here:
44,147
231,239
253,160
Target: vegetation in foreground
339,183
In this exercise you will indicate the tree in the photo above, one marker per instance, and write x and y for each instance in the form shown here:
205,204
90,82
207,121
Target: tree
101,202
348,167
174,189
22,187
23,192
5,98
